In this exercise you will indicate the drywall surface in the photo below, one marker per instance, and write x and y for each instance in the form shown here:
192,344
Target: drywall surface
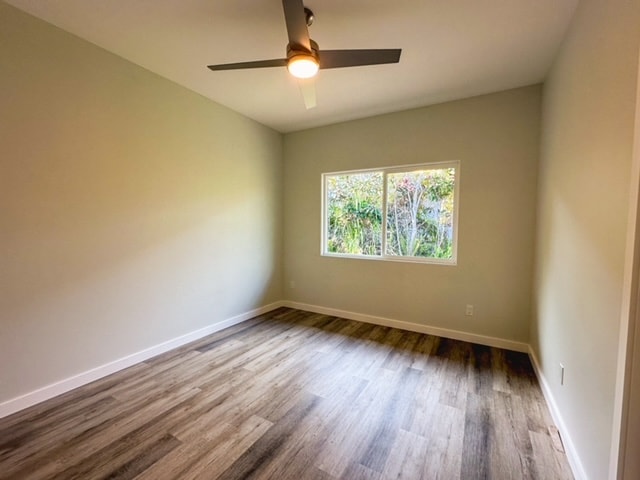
586,153
132,210
495,138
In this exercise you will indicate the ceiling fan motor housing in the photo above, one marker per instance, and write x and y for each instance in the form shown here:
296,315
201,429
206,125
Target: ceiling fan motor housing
303,62
298,50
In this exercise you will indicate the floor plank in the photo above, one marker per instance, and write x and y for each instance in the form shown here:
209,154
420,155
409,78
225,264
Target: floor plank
295,395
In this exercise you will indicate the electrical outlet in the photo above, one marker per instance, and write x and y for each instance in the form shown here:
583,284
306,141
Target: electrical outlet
469,311
561,374
292,284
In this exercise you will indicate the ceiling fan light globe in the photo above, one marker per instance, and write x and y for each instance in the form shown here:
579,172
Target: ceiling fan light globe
303,66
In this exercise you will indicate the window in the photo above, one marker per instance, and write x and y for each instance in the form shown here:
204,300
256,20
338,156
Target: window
401,213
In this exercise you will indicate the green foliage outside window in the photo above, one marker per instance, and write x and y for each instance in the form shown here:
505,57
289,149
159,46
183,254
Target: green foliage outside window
419,211
355,213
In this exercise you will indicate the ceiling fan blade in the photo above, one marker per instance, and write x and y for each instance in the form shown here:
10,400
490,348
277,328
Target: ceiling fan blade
296,20
276,62
308,90
356,58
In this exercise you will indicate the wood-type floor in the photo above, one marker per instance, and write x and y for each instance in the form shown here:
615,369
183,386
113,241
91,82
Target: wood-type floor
296,395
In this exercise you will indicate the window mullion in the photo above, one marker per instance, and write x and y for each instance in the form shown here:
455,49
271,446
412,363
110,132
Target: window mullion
325,216
384,215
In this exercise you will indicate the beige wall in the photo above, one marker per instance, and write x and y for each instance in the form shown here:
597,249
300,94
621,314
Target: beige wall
495,138
588,114
132,210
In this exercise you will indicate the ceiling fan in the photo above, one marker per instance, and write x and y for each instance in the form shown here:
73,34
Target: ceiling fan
304,57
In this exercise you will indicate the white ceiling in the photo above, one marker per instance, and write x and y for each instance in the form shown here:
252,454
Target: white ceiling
450,49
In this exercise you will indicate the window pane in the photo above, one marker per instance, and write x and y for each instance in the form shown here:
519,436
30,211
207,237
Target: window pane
354,213
420,213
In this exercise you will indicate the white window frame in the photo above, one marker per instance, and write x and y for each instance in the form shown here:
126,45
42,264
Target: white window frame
385,171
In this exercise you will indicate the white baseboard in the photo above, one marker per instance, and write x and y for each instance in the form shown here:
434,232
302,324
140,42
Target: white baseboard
40,395
413,327
572,455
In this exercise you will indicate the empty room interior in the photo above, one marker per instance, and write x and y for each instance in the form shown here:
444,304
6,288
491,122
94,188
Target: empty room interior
420,263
